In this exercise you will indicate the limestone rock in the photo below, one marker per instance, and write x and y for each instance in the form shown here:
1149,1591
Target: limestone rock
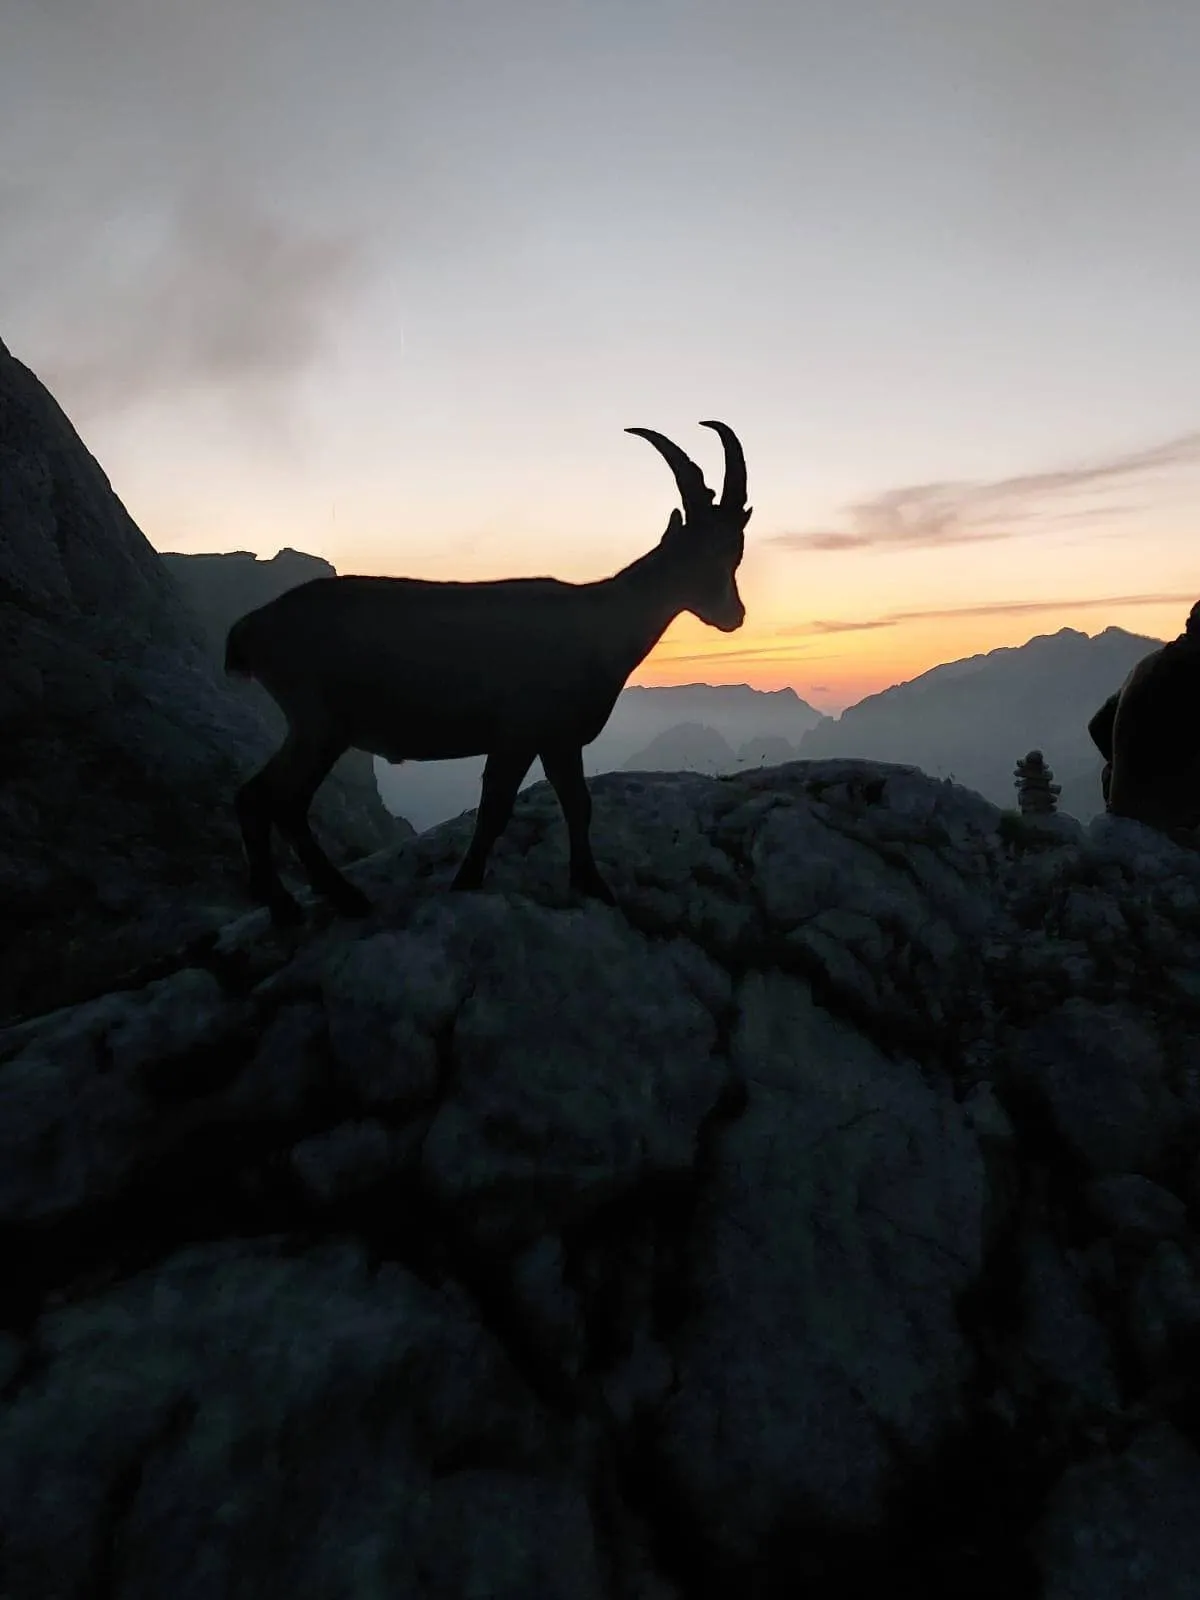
808,1222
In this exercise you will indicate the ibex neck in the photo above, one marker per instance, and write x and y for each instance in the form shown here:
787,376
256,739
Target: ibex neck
645,600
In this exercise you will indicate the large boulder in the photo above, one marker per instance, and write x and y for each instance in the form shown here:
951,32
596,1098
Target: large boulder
121,741
764,1235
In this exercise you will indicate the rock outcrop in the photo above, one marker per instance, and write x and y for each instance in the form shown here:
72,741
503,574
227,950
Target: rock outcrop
823,1219
121,743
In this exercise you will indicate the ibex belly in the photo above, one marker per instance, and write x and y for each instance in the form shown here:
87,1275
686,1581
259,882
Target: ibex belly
461,715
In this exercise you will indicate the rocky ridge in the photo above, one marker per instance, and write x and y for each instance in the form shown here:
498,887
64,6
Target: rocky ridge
829,1214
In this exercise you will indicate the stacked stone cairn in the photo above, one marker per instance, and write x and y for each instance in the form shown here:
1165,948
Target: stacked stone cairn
1037,793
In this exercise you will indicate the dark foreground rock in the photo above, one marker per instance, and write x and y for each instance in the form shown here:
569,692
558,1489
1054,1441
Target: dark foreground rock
825,1217
121,744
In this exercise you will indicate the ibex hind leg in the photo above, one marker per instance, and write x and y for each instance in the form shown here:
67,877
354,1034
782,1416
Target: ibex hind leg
252,804
309,763
502,776
564,768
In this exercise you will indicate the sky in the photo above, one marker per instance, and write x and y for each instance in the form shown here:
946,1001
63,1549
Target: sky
386,282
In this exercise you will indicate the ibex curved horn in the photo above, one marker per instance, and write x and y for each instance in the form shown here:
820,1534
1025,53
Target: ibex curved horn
733,494
695,493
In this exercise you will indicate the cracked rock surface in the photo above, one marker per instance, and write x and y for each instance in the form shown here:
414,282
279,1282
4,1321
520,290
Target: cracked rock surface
825,1214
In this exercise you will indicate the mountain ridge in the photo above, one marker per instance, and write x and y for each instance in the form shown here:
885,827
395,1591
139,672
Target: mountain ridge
963,666
974,717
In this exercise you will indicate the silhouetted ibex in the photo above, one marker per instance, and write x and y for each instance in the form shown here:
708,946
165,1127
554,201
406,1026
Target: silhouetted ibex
512,668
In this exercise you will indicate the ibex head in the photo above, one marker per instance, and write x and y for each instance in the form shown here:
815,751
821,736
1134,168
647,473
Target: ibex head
708,536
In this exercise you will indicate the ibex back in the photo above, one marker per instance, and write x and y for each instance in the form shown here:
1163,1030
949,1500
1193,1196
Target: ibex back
512,669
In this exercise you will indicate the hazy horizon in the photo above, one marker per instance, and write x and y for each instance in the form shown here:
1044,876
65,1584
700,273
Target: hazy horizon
388,288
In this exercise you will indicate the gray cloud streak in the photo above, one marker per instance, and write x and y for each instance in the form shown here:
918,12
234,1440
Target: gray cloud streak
765,653
1000,608
933,514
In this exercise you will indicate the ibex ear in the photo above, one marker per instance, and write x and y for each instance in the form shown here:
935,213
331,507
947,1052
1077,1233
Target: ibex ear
674,523
747,514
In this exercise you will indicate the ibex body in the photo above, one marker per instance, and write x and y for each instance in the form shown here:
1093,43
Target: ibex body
513,669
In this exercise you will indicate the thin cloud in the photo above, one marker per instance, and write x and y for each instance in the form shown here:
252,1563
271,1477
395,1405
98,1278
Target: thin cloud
763,653
863,626
998,608
229,298
933,514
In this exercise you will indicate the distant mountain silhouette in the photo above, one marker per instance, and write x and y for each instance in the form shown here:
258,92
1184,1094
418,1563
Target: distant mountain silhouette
765,751
972,718
734,710
687,747
695,747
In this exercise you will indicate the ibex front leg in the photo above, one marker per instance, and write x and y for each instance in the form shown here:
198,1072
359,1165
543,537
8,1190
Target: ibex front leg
501,779
564,767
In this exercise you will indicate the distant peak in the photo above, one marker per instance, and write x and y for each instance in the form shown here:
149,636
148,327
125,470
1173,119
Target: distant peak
731,691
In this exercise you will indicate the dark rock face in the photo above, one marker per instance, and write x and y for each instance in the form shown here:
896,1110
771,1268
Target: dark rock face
120,745
824,1221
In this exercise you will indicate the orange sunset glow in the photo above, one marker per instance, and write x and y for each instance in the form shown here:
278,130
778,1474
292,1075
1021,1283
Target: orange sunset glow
928,283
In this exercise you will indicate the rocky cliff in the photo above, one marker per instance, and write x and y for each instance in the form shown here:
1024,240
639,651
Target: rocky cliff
824,1218
120,743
